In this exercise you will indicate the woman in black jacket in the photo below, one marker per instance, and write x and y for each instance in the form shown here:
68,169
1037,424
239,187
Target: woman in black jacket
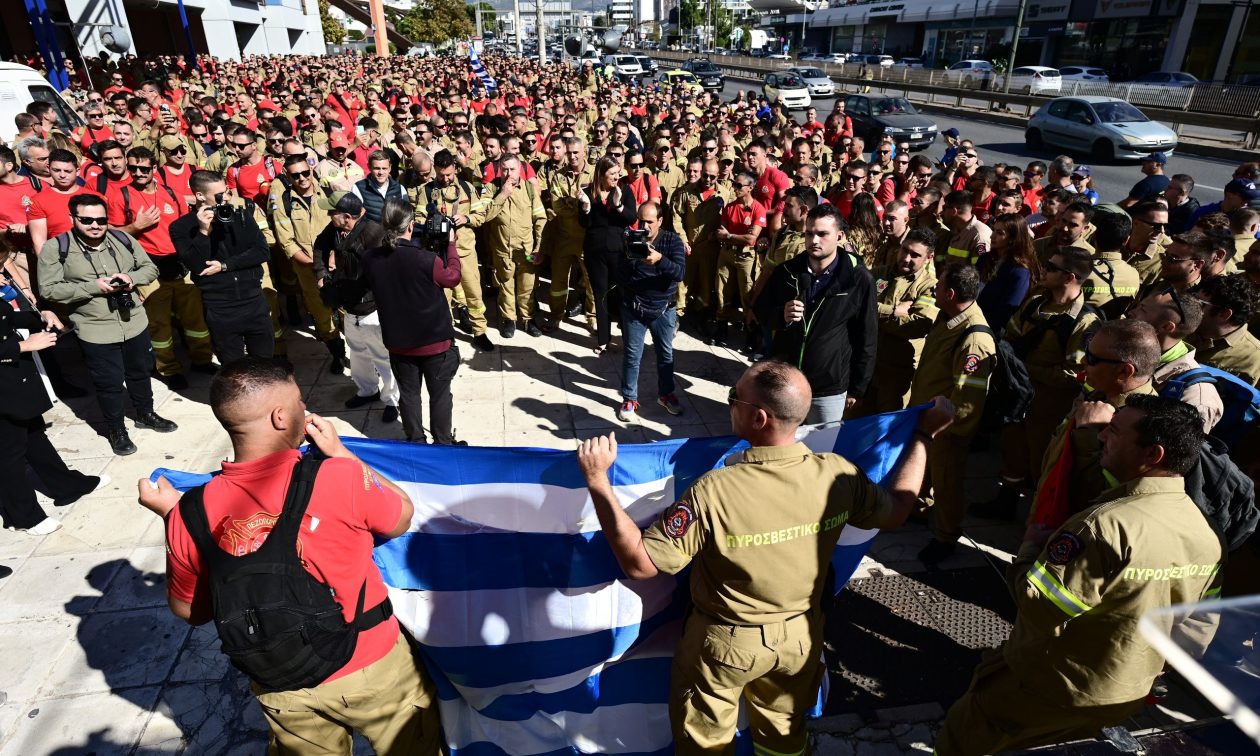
606,213
23,401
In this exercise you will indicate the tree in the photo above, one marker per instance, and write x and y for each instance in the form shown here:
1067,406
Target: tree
436,21
334,30
600,22
488,15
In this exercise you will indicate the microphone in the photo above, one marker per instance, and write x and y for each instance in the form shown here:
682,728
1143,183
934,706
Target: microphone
802,290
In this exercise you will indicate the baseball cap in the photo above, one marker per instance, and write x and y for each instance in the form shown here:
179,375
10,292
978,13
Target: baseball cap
662,143
1243,188
1156,157
342,202
338,139
169,142
951,133
268,105
1081,170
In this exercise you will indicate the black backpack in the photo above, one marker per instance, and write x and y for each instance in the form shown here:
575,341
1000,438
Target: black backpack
278,624
1010,387
1225,495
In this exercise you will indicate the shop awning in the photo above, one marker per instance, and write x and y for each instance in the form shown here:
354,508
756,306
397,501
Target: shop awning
913,12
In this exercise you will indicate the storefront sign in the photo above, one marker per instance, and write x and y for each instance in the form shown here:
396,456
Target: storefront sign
1123,8
888,8
1048,10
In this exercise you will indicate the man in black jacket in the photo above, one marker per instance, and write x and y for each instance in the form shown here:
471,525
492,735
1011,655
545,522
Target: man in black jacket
823,308
225,256
648,277
339,250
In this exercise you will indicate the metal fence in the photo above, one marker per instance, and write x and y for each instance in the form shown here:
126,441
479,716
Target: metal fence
1214,99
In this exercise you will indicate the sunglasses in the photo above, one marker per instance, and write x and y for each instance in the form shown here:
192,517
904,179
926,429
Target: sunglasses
1052,268
299,174
1093,359
242,145
140,168
1156,226
885,152
1174,260
1176,300
92,221
634,165
275,141
732,399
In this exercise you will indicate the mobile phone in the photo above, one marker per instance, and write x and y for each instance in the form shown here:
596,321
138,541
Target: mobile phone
359,129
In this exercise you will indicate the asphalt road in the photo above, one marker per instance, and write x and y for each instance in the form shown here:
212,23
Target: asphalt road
999,143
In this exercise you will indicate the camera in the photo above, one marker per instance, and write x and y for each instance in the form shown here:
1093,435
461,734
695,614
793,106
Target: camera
223,210
636,243
436,231
121,302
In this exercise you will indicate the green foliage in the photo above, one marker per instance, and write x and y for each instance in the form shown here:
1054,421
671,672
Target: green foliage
354,35
489,18
334,30
600,21
436,21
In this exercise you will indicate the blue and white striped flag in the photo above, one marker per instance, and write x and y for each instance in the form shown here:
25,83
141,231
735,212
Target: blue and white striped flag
537,642
480,69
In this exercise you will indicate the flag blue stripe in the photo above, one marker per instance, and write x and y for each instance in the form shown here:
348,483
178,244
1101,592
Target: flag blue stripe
743,747
640,681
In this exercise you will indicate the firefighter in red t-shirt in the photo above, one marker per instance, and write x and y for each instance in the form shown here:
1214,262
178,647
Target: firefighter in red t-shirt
742,223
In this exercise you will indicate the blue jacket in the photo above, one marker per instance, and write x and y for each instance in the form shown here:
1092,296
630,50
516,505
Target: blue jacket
373,202
648,290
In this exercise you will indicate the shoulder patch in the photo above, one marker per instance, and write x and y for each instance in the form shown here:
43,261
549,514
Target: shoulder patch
678,519
1064,548
971,363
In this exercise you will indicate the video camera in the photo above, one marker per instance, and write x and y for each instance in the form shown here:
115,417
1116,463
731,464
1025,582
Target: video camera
120,301
637,244
435,234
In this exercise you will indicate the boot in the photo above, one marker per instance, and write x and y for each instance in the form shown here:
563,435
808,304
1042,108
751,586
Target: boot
337,348
1003,506
292,311
462,320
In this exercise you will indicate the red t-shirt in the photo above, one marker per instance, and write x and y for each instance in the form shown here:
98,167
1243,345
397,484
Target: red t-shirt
54,206
645,189
251,181
156,240
770,187
15,204
348,506
178,182
86,137
490,172
739,220
1032,199
91,173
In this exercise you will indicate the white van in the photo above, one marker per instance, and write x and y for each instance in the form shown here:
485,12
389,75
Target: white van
626,66
21,85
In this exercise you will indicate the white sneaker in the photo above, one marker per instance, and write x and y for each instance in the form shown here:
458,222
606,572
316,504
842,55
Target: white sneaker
46,526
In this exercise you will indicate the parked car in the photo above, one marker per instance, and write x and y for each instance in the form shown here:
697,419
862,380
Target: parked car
1167,79
831,58
677,77
818,83
969,73
1164,89
1107,128
1083,73
648,65
911,63
626,66
710,76
778,56
786,87
877,115
1036,80
884,61
760,52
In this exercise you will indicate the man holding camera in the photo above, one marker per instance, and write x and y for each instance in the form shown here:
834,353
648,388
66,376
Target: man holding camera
649,274
95,272
223,248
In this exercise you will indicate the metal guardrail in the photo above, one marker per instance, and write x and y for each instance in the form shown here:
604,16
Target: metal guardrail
1181,107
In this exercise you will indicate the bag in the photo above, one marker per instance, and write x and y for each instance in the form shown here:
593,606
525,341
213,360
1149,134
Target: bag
278,624
1053,504
1241,400
63,243
1225,495
1010,386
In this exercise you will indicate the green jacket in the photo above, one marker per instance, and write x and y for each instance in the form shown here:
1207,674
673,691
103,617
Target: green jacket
74,285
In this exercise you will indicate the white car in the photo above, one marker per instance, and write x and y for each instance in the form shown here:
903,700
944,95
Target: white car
779,56
884,61
788,88
818,83
969,74
626,66
1107,128
1035,80
910,63
1083,73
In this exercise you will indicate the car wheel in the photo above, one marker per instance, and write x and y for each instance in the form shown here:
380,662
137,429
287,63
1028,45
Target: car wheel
1033,139
1103,151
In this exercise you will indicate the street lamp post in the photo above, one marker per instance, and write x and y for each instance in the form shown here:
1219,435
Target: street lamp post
1010,63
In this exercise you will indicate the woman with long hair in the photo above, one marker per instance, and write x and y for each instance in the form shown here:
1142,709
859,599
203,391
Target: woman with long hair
607,211
407,276
1009,270
865,232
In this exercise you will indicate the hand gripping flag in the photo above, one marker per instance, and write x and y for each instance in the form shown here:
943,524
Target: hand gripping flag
537,642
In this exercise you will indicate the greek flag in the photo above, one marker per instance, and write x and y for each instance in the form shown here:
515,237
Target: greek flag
479,68
537,642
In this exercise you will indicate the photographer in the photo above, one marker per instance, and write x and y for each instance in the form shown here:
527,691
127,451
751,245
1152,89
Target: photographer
95,272
648,275
224,249
407,275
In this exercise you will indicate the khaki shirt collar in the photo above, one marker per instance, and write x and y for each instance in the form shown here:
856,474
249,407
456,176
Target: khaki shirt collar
776,453
1139,486
960,318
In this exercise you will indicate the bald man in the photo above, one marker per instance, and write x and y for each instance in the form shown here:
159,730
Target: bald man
260,406
756,629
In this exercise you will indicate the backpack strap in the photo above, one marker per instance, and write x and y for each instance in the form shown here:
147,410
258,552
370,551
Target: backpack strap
977,328
63,246
126,198
102,182
122,239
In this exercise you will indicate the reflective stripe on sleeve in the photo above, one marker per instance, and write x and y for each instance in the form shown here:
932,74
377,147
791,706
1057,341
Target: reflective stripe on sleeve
1052,589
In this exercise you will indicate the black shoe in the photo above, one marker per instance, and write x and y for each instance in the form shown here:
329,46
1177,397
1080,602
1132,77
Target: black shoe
1001,507
721,333
96,483
5,571
462,320
936,551
177,382
120,442
337,349
208,368
357,401
390,415
482,343
152,421
574,311
452,442
532,328
507,330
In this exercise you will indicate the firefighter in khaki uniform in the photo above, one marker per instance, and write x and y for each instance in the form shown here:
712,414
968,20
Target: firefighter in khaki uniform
1075,661
1145,248
905,298
466,206
697,212
957,360
514,226
756,628
564,235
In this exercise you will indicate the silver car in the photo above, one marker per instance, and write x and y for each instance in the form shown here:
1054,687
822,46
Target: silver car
819,83
1107,128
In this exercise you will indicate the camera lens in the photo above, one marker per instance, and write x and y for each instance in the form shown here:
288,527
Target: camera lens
224,212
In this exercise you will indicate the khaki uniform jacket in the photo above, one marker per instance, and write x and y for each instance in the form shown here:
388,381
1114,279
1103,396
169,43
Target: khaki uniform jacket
74,285
787,243
565,189
1051,364
335,177
901,338
1113,280
515,221
219,161
1237,353
296,230
696,219
1140,546
888,251
672,178
937,226
968,244
1147,261
755,564
1202,396
454,200
957,367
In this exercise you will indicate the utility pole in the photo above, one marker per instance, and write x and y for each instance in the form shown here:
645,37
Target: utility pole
377,8
516,25
1010,64
478,11
540,29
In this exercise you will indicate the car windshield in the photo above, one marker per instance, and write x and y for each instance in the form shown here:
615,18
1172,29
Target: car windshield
813,73
1118,112
627,60
703,67
893,105
791,81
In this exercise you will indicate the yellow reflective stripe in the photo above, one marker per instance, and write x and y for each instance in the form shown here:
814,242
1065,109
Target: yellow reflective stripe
480,204
559,292
968,380
196,334
162,344
763,751
1212,593
1112,481
1052,589
956,252
926,301
279,333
